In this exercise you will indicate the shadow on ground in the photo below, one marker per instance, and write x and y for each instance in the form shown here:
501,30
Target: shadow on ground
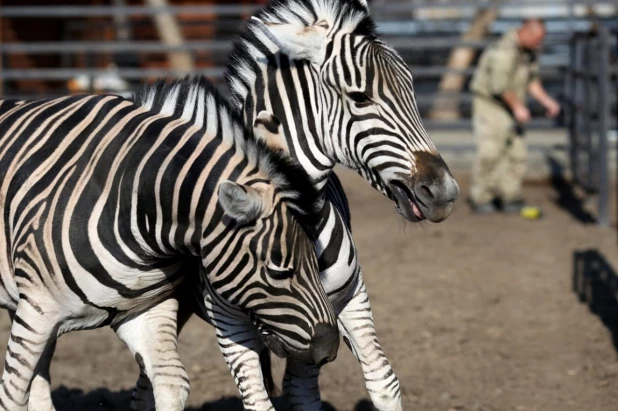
567,198
102,399
596,283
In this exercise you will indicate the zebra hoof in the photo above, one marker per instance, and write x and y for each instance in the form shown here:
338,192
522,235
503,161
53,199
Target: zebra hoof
143,400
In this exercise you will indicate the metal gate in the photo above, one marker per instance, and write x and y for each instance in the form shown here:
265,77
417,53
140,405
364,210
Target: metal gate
590,94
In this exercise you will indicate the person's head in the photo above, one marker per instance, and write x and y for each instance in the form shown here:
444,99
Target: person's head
531,34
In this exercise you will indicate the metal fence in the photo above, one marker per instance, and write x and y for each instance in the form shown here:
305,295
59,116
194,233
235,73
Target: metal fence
591,89
424,44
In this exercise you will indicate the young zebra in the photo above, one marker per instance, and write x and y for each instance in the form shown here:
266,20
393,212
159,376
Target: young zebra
342,96
108,206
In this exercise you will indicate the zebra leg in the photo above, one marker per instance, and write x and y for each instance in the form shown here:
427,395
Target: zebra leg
40,389
241,346
143,395
152,338
32,331
358,331
300,387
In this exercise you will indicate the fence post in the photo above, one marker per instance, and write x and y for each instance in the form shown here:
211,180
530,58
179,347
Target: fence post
571,106
603,125
578,114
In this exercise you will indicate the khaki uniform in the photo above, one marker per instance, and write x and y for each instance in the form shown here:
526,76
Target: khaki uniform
500,163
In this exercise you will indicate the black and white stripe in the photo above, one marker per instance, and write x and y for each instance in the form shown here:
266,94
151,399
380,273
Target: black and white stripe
342,96
110,204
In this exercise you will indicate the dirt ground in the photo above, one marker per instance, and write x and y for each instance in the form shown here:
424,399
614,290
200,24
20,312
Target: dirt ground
475,313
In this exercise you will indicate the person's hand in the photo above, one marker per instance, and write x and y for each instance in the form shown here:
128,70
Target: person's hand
553,108
522,114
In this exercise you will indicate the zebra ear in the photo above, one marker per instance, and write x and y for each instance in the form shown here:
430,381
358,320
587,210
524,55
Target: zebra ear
296,41
244,204
267,128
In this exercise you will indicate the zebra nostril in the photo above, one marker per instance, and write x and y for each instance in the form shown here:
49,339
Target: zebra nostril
426,192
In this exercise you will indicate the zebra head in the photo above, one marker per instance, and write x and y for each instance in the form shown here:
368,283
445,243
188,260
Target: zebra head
272,269
257,252
343,96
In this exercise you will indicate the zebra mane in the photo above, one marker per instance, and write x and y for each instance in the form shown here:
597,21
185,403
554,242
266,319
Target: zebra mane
349,15
193,98
352,16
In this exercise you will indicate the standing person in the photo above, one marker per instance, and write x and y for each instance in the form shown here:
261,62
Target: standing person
507,71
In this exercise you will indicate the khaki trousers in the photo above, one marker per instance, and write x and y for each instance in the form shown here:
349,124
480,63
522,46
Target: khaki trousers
500,163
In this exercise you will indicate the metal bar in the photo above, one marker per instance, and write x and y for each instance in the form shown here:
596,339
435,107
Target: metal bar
114,46
66,73
216,45
570,106
406,42
109,11
603,110
237,9
50,47
587,75
577,116
408,6
571,25
591,179
615,41
129,74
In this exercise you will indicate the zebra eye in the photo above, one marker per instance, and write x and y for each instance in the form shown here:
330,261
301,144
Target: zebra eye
359,97
280,274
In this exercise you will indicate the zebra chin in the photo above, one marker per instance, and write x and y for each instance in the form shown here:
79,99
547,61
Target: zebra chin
430,193
321,350
416,202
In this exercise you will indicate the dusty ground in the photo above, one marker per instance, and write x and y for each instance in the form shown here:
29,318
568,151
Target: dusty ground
476,313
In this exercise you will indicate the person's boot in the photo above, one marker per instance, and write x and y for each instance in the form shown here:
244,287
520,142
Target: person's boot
484,208
512,207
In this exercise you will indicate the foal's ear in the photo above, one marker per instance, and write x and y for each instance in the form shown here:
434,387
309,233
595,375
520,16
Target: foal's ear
298,41
267,128
243,203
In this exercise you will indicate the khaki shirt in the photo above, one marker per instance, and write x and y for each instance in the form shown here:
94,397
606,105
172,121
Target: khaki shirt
505,66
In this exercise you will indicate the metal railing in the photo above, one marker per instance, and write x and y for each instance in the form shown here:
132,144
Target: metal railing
591,99
419,42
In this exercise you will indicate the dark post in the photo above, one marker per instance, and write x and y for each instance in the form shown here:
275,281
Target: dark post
578,111
603,126
588,111
571,106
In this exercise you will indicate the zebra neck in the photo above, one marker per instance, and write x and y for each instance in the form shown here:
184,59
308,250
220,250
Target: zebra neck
174,204
289,90
301,115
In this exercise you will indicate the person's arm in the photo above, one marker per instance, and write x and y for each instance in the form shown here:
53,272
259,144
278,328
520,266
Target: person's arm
503,62
519,110
539,94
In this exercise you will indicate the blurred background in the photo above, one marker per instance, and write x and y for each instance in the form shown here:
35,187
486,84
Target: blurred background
49,48
476,313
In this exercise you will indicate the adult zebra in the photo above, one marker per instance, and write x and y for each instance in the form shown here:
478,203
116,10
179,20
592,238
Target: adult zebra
342,96
107,204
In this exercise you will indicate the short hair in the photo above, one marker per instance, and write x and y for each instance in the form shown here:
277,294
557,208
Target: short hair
534,20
